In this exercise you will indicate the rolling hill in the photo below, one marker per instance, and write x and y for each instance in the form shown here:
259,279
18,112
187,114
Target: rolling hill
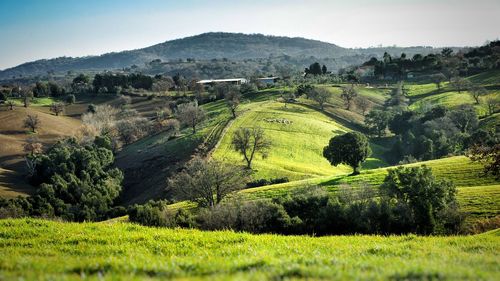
208,46
50,250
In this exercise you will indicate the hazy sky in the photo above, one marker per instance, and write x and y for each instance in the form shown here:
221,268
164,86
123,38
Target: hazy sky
36,29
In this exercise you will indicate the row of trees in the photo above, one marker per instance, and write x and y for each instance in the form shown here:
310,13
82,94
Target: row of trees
410,200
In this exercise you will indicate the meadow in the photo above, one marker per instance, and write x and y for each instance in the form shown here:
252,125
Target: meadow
478,195
47,250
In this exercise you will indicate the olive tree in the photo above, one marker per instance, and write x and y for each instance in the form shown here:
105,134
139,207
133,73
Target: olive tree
190,114
348,95
32,122
249,142
206,182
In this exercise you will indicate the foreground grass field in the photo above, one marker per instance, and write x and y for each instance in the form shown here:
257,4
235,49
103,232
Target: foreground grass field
45,250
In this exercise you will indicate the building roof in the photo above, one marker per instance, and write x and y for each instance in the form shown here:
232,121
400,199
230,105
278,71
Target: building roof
221,80
266,78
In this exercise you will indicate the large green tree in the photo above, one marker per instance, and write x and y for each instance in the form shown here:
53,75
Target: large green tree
75,182
350,148
426,197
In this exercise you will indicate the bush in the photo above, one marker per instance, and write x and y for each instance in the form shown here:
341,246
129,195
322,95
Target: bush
252,216
70,99
263,182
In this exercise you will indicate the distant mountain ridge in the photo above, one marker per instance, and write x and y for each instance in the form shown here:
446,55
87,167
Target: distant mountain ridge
206,46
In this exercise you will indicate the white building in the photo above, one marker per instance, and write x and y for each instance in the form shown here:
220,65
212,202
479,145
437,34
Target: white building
234,81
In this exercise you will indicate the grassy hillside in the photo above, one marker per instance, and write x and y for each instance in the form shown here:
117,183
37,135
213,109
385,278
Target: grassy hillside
296,146
13,136
45,250
477,194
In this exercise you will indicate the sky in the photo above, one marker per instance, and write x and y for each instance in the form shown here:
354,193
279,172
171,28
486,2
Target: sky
41,29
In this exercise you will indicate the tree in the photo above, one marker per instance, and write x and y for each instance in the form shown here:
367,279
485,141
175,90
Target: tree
314,69
363,104
57,108
377,121
190,114
232,98
248,142
348,94
33,146
206,182
26,95
477,92
319,95
438,79
324,69
350,148
70,99
446,52
492,103
417,188
75,182
460,84
10,104
489,156
32,122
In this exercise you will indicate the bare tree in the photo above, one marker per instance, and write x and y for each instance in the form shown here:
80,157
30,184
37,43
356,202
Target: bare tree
206,182
10,104
232,98
32,122
492,103
438,79
348,95
320,95
363,104
27,95
33,146
57,108
190,114
248,142
460,84
477,92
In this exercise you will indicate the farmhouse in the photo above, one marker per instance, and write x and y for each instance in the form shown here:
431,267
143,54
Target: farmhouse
211,82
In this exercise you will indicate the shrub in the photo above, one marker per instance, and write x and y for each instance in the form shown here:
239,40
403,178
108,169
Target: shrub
263,182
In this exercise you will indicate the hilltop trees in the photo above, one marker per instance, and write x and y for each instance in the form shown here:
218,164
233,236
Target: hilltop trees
249,142
350,148
206,182
190,114
32,122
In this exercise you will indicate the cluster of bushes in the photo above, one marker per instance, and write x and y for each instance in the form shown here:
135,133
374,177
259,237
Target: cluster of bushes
263,182
112,82
410,200
73,182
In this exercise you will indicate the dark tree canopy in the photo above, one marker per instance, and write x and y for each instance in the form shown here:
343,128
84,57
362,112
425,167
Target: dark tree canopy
425,196
350,148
